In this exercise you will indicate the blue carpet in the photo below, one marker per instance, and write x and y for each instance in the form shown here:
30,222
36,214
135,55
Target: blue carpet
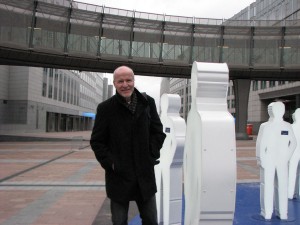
248,209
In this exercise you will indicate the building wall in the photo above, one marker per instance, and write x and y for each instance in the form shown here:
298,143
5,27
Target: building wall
105,86
270,10
263,93
182,87
18,83
110,90
40,99
4,82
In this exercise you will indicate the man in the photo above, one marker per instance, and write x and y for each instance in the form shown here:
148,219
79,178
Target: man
126,139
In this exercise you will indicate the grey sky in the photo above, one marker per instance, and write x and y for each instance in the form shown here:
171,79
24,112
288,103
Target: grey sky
217,9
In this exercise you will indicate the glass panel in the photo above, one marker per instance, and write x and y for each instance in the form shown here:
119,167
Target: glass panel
267,43
291,51
206,42
84,32
177,42
50,29
236,49
15,25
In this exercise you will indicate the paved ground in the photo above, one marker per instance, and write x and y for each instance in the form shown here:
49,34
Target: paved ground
60,183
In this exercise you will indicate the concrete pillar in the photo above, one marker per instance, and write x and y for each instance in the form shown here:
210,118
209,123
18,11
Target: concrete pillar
59,122
241,93
297,101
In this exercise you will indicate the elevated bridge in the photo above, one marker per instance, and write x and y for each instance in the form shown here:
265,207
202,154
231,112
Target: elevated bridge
79,36
86,37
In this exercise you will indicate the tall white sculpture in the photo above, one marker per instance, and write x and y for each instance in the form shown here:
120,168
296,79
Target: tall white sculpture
210,149
168,173
294,167
275,145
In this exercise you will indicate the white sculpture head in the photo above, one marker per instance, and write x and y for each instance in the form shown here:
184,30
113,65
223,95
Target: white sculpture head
170,103
296,115
209,86
276,110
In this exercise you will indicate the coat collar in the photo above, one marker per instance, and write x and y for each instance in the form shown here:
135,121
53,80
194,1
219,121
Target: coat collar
141,97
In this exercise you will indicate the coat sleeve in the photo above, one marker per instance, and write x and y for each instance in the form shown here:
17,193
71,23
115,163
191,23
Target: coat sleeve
99,139
157,136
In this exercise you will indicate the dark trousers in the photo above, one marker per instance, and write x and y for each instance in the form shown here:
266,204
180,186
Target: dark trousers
147,209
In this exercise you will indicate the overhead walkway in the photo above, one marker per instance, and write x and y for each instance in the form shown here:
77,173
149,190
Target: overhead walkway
79,36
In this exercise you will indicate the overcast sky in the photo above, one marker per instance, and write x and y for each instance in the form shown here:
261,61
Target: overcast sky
217,9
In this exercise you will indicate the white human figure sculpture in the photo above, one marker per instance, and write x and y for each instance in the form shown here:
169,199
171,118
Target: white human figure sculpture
210,149
168,173
275,145
294,167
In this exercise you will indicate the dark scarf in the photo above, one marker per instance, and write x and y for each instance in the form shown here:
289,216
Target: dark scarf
132,104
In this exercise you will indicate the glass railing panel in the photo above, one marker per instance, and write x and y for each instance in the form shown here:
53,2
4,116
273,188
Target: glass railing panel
148,16
236,56
15,26
176,53
206,54
267,44
147,31
87,7
50,29
236,46
266,51
82,44
206,43
140,50
113,47
83,37
291,52
291,49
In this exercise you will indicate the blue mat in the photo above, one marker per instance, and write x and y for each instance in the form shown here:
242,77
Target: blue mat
248,209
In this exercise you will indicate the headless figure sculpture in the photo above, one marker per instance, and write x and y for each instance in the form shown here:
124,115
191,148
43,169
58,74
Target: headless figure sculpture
275,145
294,167
168,173
209,153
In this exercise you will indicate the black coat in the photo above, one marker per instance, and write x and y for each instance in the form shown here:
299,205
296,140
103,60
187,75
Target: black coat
131,142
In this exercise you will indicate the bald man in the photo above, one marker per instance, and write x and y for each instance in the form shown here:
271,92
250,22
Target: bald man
127,137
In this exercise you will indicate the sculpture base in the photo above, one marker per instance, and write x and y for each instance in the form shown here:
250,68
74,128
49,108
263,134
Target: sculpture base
243,136
259,217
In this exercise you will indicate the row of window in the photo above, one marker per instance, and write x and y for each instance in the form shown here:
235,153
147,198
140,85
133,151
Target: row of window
62,87
260,85
59,86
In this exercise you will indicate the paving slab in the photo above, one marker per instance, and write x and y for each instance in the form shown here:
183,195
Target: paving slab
60,182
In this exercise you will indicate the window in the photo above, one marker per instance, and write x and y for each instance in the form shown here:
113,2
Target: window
272,83
44,88
263,84
254,85
50,90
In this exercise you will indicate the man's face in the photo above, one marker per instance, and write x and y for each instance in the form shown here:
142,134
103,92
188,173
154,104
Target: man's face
124,82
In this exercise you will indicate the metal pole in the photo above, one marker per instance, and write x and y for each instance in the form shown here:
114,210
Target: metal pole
33,24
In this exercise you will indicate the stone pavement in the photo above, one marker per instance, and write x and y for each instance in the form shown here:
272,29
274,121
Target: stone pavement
60,182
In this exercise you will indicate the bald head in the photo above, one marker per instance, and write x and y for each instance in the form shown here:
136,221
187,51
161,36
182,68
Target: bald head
124,81
123,70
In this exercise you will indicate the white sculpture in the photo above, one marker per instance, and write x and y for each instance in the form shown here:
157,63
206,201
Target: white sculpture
294,167
275,145
210,149
168,173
